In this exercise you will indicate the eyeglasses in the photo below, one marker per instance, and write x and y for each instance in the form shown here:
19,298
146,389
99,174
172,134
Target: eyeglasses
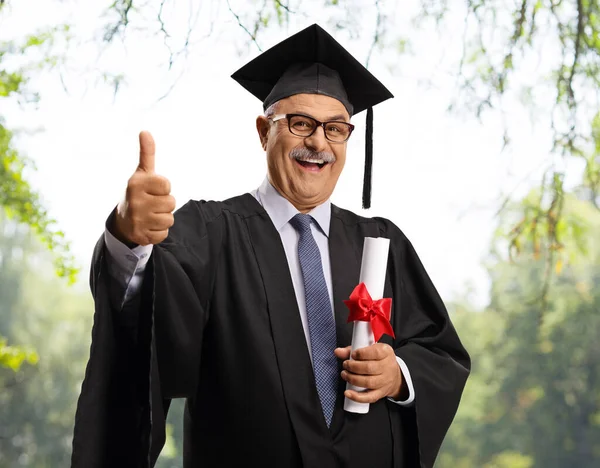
304,126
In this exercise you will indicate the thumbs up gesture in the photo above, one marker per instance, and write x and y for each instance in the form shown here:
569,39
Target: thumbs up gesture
146,214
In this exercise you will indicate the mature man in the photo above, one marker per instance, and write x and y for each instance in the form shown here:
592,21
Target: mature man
237,306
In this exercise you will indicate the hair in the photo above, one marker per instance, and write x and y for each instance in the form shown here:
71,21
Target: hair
272,109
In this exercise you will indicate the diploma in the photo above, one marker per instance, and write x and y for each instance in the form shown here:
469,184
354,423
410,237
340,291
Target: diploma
372,274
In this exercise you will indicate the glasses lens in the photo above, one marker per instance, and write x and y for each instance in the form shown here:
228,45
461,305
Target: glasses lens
302,126
337,131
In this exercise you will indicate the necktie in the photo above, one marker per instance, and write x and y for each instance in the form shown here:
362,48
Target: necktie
321,324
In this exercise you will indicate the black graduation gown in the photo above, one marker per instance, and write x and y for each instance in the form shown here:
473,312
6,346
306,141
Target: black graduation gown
219,325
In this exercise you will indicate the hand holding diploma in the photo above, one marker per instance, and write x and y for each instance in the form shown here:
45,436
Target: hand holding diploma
370,368
374,368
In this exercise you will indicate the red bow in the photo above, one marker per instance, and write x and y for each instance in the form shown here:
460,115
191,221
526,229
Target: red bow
365,309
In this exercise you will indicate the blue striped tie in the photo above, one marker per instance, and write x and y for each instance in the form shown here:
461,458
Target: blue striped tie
321,324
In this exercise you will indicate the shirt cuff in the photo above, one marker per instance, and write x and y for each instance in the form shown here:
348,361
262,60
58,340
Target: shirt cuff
407,379
125,258
125,262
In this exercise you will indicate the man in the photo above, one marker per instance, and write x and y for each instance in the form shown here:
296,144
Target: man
237,306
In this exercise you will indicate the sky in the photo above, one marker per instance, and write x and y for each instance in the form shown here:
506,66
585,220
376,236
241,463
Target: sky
437,175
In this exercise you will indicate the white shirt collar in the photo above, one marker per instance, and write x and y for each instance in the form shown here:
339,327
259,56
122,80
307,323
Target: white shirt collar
281,210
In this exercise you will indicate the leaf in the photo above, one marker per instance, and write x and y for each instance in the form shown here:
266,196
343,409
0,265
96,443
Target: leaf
558,267
13,357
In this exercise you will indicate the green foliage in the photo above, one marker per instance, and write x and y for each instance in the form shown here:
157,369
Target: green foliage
9,83
533,398
499,44
22,203
18,199
14,356
37,403
509,460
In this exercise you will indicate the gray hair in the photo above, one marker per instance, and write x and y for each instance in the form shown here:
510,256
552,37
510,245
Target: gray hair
272,109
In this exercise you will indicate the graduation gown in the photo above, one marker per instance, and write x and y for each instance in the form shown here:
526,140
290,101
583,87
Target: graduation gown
218,324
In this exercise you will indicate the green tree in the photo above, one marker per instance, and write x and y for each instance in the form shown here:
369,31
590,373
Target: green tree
39,310
534,397
20,201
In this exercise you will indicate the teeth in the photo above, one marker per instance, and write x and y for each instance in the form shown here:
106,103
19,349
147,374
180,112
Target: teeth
314,161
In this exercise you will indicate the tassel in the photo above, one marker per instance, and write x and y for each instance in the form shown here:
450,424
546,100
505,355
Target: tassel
366,198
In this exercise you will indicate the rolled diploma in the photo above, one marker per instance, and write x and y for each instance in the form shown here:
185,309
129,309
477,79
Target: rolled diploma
372,272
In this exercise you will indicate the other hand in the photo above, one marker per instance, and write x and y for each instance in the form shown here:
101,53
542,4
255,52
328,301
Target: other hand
146,214
374,368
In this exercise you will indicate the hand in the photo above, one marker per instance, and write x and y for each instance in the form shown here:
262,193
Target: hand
374,368
146,214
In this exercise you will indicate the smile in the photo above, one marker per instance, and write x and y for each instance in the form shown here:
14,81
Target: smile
313,165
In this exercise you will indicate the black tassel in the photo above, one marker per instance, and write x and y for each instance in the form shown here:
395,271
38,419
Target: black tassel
366,198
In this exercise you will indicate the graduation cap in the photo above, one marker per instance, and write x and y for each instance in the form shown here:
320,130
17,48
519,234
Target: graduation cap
313,62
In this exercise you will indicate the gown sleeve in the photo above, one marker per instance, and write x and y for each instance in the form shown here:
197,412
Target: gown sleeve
142,358
429,345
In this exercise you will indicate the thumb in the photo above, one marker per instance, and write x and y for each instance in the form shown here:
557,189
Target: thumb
343,353
147,150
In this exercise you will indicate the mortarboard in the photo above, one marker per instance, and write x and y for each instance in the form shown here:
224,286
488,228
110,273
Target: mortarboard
313,62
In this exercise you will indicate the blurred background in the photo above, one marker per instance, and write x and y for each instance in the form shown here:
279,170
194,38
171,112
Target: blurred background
488,158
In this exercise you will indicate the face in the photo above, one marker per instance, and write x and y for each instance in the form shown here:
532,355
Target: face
305,185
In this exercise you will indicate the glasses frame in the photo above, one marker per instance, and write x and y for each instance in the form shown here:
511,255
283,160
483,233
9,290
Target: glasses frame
278,117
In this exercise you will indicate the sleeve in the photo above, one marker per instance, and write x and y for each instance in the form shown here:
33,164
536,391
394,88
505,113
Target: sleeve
126,268
427,343
407,378
140,361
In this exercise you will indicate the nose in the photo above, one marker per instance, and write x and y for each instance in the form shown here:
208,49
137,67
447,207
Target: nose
317,141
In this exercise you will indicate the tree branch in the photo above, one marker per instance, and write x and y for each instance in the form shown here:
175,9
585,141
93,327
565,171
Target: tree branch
377,32
285,7
123,9
166,35
579,34
241,25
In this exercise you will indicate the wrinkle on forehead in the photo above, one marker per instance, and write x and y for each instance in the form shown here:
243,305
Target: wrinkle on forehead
316,105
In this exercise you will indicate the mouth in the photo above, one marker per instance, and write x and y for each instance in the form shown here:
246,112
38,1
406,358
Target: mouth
312,165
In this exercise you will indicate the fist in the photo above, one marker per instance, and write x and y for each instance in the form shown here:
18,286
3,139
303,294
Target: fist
146,214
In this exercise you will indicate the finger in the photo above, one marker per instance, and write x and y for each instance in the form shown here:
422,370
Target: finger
158,222
156,237
343,353
363,367
371,382
147,152
162,204
368,396
375,352
157,185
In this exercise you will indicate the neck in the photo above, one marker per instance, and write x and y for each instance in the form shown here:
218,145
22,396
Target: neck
302,207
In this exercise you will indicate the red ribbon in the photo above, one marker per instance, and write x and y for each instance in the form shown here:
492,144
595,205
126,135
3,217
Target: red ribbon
365,309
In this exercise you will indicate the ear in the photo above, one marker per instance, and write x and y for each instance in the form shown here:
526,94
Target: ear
262,127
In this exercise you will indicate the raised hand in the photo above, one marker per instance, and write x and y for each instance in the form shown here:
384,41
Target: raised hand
146,214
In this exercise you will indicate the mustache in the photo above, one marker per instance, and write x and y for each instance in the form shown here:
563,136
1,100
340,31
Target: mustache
303,153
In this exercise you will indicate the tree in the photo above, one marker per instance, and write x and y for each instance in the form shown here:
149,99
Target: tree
19,201
37,403
532,399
